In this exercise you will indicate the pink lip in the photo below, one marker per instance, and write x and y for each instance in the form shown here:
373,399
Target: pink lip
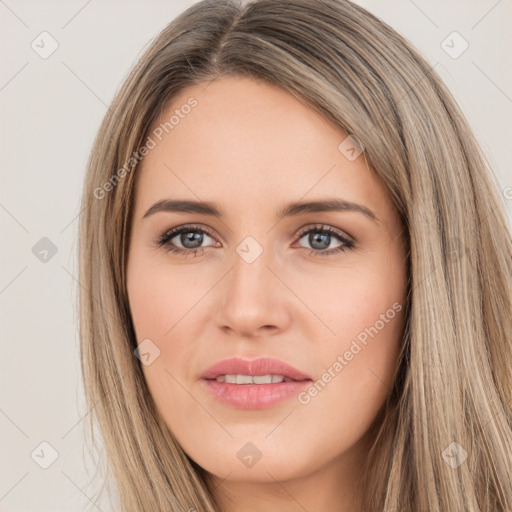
254,396
260,366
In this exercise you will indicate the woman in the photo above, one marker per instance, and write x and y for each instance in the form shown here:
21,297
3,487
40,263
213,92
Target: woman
234,358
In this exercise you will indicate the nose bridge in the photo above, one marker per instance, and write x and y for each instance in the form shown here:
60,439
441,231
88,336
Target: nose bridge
250,274
251,296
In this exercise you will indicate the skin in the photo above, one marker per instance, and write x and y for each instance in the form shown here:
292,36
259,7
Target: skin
250,148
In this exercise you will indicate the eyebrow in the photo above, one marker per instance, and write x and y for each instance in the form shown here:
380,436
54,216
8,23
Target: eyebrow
290,210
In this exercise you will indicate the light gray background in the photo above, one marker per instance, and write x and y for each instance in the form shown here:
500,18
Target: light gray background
50,111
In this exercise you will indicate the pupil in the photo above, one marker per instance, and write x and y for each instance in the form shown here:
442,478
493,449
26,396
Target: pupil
319,237
191,237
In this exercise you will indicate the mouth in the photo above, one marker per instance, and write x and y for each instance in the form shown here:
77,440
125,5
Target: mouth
254,384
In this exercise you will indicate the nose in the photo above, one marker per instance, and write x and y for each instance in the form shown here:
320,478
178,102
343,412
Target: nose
252,299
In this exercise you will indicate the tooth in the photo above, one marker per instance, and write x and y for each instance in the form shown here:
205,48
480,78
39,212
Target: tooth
262,379
251,379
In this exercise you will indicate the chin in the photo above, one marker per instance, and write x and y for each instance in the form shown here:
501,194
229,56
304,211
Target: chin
258,461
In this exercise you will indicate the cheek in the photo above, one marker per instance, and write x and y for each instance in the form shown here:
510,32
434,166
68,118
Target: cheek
365,311
159,302
164,306
354,303
158,298
357,346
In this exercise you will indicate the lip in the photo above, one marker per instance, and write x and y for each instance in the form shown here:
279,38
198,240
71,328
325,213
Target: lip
254,396
260,366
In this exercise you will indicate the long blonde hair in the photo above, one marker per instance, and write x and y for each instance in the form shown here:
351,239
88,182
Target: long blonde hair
454,382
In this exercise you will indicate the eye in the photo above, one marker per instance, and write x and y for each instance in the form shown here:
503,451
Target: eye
320,238
188,240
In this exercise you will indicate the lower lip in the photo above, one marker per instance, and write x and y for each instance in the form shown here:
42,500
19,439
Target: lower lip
255,396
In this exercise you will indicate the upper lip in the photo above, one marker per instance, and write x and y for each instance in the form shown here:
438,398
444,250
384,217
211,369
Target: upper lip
260,366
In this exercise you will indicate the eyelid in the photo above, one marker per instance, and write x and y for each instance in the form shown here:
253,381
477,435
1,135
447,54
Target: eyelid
168,234
325,227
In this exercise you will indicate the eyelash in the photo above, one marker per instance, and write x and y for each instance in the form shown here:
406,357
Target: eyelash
164,240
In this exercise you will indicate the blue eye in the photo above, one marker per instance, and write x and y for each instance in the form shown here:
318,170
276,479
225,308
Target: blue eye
320,236
192,237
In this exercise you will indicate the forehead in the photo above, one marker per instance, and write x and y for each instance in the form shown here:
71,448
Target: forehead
252,144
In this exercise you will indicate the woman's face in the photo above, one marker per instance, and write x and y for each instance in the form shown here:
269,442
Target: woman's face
319,288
